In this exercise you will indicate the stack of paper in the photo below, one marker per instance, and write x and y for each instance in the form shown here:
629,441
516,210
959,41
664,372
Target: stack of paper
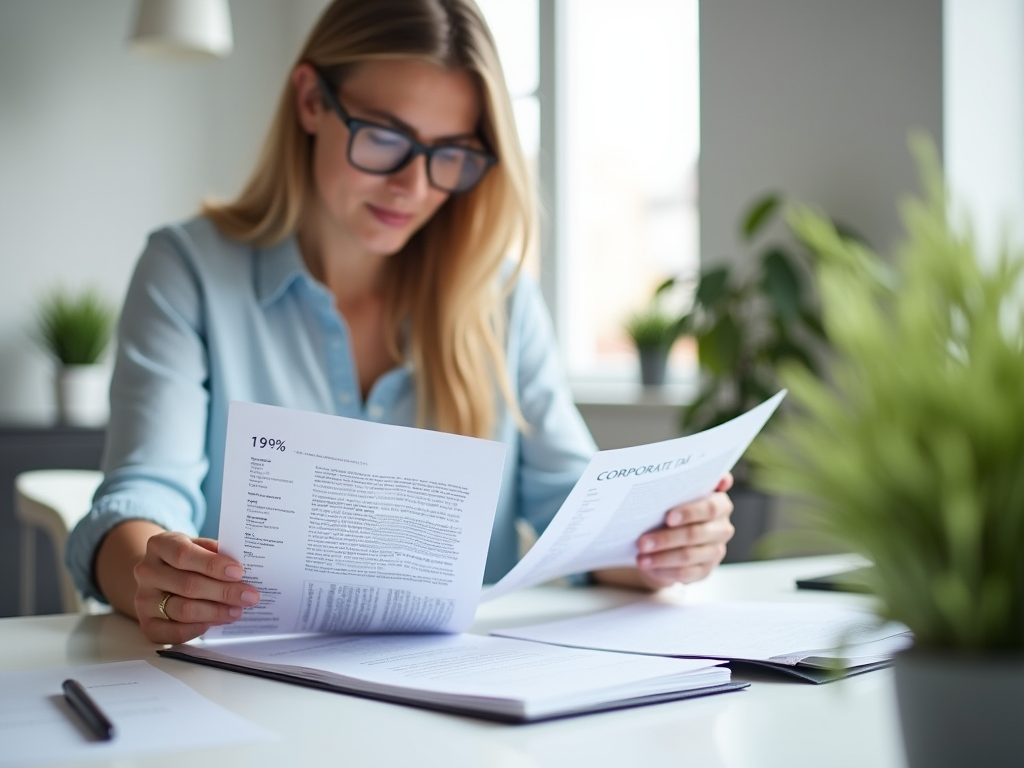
490,677
814,641
355,532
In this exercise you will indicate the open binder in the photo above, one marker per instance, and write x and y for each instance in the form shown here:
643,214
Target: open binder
814,642
494,678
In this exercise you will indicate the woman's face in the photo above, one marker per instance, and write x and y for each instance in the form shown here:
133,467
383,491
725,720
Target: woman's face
377,214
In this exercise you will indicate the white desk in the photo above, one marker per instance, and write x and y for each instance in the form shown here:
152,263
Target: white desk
773,724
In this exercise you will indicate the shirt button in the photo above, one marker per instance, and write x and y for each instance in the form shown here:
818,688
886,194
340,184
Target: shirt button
376,411
344,398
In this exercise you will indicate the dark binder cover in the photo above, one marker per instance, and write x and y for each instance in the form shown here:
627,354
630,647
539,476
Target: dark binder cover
847,581
806,674
604,706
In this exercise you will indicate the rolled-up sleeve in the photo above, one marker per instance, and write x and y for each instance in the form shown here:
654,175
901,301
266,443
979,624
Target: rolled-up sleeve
155,458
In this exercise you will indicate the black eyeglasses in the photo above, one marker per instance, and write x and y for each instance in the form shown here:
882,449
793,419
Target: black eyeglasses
376,148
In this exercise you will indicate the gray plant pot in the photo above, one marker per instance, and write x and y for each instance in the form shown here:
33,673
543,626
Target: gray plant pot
653,364
961,709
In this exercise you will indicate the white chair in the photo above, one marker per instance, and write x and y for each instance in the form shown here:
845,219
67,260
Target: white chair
51,501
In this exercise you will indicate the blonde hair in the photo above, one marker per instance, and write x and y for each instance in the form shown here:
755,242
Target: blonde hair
443,288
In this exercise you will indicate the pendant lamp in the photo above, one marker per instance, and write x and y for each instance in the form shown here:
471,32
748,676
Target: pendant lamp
182,28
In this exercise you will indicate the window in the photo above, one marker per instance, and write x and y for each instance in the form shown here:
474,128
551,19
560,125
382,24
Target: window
515,26
620,165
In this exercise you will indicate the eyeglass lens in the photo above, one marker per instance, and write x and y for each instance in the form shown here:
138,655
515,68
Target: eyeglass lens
380,150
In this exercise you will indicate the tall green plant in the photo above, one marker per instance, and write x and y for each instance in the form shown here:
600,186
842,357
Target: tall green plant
913,453
750,316
75,328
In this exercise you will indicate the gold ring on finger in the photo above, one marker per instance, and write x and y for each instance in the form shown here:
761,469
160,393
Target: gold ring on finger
162,606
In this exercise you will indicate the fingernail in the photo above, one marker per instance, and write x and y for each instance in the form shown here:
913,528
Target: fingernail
234,572
250,598
646,562
234,612
646,545
675,518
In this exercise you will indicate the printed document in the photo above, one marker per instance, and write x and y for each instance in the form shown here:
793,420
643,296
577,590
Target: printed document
152,713
626,492
349,526
352,526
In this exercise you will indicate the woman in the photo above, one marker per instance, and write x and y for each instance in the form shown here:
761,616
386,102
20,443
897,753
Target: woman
360,272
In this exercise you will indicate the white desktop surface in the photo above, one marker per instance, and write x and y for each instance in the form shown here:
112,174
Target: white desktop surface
775,723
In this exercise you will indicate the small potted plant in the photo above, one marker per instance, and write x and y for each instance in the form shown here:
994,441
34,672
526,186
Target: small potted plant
653,331
912,454
76,330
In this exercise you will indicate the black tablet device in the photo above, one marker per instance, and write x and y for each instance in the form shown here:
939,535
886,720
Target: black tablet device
846,581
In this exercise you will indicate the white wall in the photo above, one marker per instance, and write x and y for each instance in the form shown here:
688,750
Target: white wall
984,113
815,98
98,147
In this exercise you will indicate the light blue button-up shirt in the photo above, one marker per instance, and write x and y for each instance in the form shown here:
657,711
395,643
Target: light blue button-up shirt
208,320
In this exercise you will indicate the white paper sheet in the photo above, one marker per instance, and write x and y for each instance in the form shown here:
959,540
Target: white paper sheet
452,669
626,492
151,712
784,633
353,526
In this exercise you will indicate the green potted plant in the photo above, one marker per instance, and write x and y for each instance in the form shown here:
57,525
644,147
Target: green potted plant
748,317
653,330
911,453
75,328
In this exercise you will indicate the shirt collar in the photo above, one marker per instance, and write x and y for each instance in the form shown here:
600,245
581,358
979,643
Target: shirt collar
277,267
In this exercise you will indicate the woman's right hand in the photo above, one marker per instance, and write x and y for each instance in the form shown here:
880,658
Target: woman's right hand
196,587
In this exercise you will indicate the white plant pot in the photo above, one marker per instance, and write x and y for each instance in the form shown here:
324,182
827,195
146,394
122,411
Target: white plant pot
83,395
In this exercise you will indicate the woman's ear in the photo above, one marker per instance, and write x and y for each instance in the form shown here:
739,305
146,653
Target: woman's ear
308,103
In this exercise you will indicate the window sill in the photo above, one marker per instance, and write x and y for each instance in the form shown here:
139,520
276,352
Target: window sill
621,414
673,393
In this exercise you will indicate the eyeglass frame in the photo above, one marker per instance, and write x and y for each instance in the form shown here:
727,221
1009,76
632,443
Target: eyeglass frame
417,148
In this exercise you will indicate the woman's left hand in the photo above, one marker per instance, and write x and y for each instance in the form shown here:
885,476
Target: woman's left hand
691,543
686,549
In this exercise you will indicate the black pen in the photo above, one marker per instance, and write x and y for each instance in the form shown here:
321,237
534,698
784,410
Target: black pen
99,724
